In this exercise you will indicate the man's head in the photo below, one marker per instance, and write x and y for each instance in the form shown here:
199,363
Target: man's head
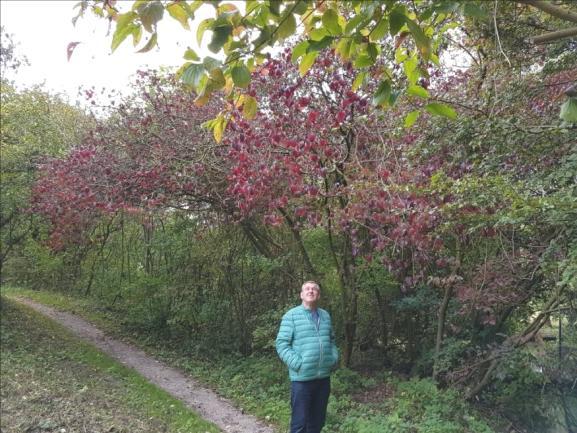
310,294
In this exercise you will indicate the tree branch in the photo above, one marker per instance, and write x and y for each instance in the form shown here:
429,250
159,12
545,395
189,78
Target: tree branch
297,237
554,36
551,9
514,342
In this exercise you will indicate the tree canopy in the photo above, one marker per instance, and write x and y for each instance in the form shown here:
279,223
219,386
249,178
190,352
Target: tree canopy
434,203
398,41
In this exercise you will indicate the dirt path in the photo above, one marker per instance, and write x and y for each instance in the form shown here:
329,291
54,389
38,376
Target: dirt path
203,401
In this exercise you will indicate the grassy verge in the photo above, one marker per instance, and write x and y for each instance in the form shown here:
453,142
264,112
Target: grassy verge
53,382
259,384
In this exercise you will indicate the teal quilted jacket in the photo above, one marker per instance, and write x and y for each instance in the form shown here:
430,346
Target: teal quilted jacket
309,352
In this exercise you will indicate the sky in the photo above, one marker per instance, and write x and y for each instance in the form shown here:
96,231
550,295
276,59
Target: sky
43,29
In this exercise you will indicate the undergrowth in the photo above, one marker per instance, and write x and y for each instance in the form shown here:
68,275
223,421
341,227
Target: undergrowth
259,384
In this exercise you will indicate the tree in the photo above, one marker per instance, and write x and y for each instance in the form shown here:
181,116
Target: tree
9,58
399,33
35,125
471,224
361,32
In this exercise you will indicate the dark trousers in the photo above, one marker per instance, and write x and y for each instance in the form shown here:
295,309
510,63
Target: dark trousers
309,405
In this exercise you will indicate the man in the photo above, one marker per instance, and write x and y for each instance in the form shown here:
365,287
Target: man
306,344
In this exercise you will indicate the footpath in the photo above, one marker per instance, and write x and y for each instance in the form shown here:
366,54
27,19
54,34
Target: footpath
203,401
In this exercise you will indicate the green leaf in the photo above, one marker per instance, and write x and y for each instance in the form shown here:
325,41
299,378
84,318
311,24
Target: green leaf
330,21
227,10
211,63
422,41
191,73
250,6
439,109
396,21
217,80
344,48
178,12
123,20
400,55
569,110
470,9
150,44
379,31
195,5
300,7
274,7
218,127
220,37
232,50
299,50
138,4
318,34
383,93
411,70
419,91
263,38
358,81
124,27
363,61
249,107
287,28
191,55
411,118
307,61
240,75
150,13
202,99
136,35
259,19
319,45
372,50
446,7
353,23
202,27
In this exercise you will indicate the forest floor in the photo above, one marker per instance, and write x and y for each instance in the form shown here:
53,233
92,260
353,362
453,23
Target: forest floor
201,400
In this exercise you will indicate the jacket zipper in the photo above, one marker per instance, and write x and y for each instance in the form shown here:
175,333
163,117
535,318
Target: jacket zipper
318,330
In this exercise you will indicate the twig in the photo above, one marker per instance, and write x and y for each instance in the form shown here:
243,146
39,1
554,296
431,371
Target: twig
497,34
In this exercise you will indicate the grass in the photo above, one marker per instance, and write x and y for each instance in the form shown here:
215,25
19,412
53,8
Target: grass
53,382
259,384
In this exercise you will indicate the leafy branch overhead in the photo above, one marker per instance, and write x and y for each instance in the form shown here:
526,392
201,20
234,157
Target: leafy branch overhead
361,32
397,42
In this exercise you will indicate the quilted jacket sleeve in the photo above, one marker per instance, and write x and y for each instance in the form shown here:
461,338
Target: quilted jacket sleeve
284,342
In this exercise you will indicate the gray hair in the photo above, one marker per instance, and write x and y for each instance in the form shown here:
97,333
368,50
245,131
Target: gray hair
311,282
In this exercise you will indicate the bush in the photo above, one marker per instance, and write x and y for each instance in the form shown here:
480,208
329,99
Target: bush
418,407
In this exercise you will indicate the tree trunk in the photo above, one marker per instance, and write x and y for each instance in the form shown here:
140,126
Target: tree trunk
350,300
311,271
513,342
383,317
442,316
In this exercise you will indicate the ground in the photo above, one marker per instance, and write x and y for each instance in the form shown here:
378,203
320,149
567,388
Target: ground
34,401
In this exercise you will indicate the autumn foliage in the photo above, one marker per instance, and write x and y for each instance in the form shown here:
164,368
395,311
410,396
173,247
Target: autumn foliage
435,209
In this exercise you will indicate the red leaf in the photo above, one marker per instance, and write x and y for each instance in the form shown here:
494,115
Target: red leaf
70,49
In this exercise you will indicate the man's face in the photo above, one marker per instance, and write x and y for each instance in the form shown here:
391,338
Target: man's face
310,294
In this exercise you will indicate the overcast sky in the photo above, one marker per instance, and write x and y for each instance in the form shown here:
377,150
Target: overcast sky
43,30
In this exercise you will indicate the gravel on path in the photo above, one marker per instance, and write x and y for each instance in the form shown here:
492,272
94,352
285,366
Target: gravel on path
203,401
